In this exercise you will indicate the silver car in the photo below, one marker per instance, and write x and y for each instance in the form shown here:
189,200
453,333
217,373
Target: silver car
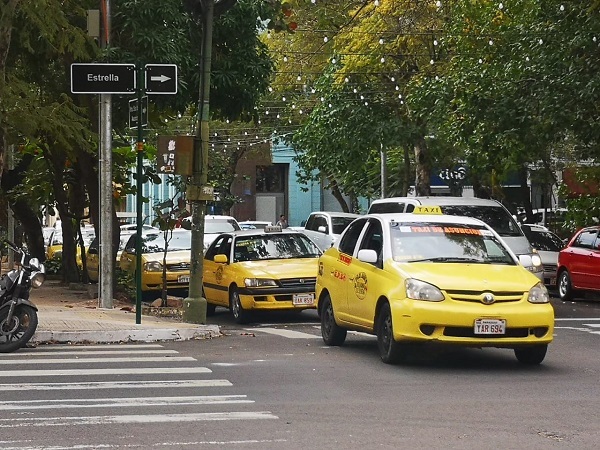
547,244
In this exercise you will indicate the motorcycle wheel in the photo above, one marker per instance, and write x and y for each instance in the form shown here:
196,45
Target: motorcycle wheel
21,328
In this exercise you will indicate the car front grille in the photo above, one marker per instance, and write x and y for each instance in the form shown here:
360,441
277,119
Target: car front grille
178,267
477,296
549,268
298,282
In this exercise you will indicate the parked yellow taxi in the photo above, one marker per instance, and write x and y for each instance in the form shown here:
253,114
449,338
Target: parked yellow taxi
153,257
270,269
427,277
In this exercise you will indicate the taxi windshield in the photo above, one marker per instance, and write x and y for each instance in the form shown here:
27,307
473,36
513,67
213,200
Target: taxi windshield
154,243
274,246
445,242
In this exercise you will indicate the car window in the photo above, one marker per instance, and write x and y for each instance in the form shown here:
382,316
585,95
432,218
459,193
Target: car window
350,237
543,240
274,246
339,224
586,239
320,221
154,243
212,226
442,242
386,207
495,216
214,248
373,240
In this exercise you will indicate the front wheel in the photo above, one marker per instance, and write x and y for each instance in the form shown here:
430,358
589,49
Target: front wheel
240,315
531,355
16,333
332,333
390,351
565,289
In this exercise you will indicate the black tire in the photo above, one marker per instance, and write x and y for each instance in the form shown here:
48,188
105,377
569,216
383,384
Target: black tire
565,288
390,351
17,334
532,355
240,315
332,333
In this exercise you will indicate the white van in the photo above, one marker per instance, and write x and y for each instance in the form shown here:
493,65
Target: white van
489,211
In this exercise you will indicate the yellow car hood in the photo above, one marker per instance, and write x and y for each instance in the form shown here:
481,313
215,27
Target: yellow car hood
281,268
452,276
173,257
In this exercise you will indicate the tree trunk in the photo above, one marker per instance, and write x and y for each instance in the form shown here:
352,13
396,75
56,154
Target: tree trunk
423,169
407,173
335,191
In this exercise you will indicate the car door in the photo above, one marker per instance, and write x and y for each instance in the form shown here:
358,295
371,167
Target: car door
341,267
366,279
580,258
215,286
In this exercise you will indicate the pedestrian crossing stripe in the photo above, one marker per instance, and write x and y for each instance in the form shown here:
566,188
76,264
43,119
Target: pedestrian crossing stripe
94,385
82,372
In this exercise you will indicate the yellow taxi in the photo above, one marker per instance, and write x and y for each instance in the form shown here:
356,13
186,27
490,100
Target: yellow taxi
428,277
267,270
153,253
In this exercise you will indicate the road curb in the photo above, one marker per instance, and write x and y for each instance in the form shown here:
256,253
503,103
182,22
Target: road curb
115,336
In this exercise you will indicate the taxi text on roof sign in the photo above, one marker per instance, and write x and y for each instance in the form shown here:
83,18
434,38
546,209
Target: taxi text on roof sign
421,209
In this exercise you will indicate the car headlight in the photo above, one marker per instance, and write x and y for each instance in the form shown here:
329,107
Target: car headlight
259,282
419,290
537,263
538,294
153,266
37,279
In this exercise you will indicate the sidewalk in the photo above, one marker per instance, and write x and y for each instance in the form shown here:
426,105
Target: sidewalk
71,316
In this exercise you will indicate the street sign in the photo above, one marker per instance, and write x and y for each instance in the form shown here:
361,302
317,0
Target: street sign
134,112
101,78
161,78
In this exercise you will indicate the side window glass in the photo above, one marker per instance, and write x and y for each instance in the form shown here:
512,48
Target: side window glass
373,240
212,251
586,239
321,222
225,247
310,225
350,237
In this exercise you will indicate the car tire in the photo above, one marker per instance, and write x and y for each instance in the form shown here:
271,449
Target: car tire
240,315
332,333
565,288
531,355
390,351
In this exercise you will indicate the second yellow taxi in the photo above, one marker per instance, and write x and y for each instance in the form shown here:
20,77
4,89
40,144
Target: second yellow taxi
416,278
270,269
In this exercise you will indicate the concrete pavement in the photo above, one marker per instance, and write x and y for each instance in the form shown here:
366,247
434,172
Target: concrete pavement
71,316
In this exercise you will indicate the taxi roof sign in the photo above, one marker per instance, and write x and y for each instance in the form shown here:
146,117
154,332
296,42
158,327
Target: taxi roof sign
272,229
427,209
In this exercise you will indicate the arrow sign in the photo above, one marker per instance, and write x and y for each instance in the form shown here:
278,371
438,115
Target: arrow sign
161,78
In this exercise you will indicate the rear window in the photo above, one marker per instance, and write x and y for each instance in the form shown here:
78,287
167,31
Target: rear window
386,207
495,216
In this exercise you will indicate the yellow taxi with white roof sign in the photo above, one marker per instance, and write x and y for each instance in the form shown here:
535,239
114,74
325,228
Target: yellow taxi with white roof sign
266,270
428,277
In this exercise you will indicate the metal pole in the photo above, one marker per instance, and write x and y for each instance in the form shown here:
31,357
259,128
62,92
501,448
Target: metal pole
105,278
138,205
383,155
195,304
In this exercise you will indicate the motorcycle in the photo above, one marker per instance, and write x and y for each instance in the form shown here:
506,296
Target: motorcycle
18,315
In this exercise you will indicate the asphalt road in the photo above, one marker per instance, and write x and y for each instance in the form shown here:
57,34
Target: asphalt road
274,385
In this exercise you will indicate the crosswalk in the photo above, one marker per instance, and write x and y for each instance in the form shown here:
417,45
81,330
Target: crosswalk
588,325
53,387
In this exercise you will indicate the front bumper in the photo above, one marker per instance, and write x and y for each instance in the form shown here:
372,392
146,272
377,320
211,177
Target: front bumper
453,321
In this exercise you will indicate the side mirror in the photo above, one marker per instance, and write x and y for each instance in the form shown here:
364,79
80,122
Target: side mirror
525,260
322,229
367,255
220,258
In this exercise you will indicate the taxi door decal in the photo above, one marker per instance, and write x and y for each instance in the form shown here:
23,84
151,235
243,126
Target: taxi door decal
361,285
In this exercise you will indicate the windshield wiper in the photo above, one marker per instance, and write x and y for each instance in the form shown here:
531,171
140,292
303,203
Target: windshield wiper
450,259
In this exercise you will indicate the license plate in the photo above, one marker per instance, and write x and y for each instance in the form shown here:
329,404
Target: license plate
552,281
303,299
183,279
490,326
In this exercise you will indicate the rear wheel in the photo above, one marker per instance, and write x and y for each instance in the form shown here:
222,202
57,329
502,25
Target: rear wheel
240,315
532,355
15,333
390,351
332,333
565,289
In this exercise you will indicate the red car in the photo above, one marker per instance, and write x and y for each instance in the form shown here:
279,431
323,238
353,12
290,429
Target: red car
579,264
